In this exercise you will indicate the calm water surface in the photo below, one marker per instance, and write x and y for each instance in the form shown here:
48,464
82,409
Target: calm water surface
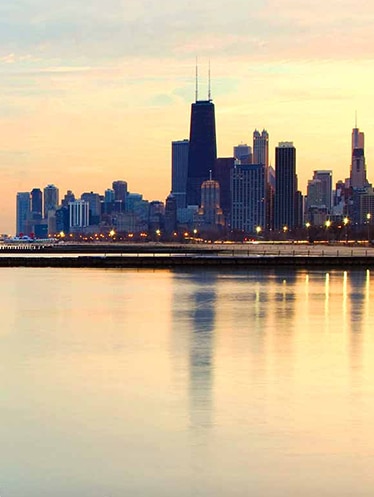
122,383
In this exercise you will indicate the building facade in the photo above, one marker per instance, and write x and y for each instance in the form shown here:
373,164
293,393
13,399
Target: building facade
79,215
179,168
51,199
261,147
285,215
202,148
22,212
248,210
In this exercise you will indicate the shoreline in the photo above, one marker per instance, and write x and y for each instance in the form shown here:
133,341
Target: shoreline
160,256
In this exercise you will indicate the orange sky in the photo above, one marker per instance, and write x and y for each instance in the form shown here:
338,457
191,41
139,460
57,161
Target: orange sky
91,94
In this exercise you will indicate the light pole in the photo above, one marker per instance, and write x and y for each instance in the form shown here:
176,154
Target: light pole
307,226
345,222
327,224
368,217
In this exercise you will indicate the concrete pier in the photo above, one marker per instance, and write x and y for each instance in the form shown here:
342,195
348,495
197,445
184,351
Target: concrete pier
158,256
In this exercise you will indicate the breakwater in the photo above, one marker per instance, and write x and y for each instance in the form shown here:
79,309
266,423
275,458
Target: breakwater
162,255
158,261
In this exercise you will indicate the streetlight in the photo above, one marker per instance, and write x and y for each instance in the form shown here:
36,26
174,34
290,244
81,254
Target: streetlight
368,217
258,230
345,222
307,226
327,224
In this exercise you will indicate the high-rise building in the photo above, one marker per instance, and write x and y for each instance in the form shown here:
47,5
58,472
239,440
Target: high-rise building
36,204
94,203
325,177
358,167
243,153
202,148
120,194
248,211
79,215
22,212
285,215
179,167
109,202
210,211
170,215
261,147
222,174
51,199
156,215
68,197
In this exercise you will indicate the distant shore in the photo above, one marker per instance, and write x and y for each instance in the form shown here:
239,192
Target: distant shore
160,255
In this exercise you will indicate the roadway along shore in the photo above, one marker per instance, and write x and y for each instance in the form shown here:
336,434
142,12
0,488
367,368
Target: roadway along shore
160,255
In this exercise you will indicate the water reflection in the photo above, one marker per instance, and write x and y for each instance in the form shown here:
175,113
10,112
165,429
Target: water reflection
358,298
187,383
198,311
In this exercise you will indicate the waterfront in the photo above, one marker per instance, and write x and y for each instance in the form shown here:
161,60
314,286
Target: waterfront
163,255
189,383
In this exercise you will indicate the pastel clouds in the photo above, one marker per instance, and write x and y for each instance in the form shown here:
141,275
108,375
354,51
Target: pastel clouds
94,91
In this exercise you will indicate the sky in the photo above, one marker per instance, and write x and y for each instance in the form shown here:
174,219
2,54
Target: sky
93,91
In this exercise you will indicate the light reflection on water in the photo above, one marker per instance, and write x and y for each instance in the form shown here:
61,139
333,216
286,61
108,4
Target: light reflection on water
158,383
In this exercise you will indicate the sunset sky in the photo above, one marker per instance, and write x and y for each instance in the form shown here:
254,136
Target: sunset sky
95,91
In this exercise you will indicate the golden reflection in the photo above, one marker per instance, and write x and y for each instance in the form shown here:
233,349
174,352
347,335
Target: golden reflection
367,294
344,299
327,297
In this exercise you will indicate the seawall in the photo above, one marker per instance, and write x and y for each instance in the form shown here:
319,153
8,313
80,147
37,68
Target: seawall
188,261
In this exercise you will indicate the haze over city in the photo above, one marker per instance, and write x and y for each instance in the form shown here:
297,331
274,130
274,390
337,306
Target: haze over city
93,93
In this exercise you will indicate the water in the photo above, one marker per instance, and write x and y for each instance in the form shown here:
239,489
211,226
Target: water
139,383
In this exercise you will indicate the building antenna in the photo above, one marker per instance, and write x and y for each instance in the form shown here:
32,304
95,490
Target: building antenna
209,85
356,119
210,174
197,82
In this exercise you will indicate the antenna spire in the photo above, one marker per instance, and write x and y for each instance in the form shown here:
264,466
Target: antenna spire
356,119
209,85
197,83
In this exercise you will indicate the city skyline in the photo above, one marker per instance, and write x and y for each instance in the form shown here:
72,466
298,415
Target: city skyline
74,79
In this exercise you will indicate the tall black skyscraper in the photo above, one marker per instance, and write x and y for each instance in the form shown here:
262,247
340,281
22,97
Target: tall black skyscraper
203,148
285,211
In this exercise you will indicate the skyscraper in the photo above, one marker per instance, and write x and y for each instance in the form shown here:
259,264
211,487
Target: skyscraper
179,167
243,153
120,195
79,213
358,166
261,147
202,149
285,215
51,199
170,215
248,210
22,212
222,174
210,210
325,177
36,203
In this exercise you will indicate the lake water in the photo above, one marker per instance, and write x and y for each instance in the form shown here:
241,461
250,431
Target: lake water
125,383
